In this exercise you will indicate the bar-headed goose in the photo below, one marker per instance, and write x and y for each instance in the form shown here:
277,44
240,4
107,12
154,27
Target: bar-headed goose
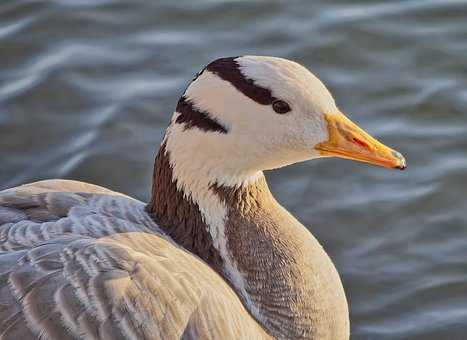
212,255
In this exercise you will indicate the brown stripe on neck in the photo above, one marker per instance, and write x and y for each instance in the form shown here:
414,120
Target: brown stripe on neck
229,70
291,282
177,215
192,117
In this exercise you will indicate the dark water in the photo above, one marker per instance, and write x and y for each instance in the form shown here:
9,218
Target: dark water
87,88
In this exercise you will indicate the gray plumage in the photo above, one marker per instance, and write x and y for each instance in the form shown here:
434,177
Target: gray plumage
78,261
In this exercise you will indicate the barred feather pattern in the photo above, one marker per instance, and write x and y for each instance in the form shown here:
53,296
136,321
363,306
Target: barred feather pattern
78,261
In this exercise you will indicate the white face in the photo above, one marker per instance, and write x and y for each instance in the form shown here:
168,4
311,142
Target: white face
257,138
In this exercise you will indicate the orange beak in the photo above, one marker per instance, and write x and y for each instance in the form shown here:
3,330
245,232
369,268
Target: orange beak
347,140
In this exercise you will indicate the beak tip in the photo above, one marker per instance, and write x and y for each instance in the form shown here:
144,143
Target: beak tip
402,164
401,167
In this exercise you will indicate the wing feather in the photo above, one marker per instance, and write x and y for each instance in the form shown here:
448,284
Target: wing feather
79,261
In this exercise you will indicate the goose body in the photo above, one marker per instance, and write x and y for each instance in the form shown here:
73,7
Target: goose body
80,261
213,255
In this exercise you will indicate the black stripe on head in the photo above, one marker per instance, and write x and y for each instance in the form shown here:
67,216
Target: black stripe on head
192,117
228,69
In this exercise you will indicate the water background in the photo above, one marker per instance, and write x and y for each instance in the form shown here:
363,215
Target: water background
87,88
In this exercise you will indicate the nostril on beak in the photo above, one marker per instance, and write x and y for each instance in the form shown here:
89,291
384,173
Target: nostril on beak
360,142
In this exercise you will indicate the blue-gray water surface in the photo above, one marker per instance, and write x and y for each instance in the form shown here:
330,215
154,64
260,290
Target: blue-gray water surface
87,88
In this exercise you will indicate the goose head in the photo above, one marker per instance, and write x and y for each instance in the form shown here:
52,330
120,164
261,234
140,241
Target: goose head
242,115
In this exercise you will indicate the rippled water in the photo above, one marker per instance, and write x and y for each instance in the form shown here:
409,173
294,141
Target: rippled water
87,88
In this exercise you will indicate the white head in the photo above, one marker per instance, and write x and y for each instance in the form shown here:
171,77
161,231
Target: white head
242,115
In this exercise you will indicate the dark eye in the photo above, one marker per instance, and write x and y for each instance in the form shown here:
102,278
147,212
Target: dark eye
280,106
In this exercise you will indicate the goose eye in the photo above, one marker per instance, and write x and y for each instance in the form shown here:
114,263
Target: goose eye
280,106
